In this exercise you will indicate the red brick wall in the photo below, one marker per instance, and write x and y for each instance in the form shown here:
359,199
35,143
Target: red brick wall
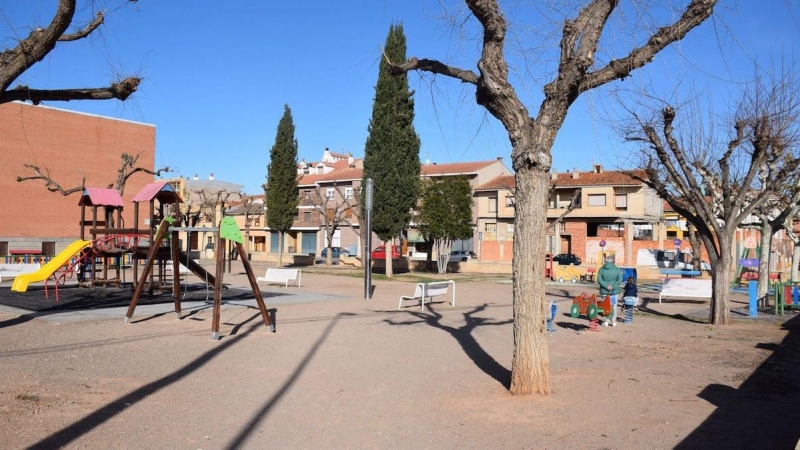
496,251
71,146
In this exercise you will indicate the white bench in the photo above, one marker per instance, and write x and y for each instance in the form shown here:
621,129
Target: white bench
12,270
685,287
430,290
281,276
182,270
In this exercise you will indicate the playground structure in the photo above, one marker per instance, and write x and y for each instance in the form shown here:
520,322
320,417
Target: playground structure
589,306
228,230
98,260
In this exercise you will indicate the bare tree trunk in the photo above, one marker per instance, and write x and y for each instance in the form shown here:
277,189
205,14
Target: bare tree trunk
280,249
530,366
697,248
763,258
389,249
795,260
721,271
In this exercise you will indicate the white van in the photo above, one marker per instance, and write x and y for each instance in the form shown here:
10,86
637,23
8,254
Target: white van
668,259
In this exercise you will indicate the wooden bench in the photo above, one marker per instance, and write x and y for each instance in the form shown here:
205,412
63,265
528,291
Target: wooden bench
281,276
685,287
12,270
432,289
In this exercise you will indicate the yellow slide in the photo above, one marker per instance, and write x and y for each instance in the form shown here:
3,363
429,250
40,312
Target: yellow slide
21,281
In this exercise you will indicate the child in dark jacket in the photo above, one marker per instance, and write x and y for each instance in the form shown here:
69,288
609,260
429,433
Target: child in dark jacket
631,293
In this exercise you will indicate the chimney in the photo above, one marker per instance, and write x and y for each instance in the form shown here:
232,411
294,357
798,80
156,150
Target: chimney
554,175
598,168
350,160
327,155
195,177
574,173
500,158
211,176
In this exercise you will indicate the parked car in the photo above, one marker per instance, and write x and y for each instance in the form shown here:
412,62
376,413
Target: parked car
380,252
335,252
459,256
566,259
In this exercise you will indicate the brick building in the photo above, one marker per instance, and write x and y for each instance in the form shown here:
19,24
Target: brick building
68,146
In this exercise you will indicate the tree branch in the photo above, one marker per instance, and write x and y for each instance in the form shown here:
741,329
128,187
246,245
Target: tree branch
432,66
695,13
120,91
50,183
86,31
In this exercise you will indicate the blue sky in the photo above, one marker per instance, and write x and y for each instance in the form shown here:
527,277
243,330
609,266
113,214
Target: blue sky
217,74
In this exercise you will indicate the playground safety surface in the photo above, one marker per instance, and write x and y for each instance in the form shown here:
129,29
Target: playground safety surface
74,298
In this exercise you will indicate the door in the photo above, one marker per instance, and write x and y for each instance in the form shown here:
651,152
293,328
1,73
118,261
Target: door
308,241
273,242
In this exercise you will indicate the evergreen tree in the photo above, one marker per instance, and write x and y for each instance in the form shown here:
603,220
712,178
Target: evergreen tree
281,187
445,214
391,154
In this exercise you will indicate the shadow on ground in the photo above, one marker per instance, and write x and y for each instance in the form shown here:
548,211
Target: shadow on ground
463,335
763,411
74,298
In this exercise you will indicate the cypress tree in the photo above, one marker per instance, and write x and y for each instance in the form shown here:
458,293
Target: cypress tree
281,188
391,154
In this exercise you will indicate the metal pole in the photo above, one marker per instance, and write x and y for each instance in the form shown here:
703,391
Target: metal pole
367,258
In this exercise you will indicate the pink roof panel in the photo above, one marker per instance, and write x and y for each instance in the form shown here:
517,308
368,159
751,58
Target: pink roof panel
159,189
101,197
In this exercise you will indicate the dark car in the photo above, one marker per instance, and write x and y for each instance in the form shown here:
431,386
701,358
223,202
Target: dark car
566,259
380,252
335,252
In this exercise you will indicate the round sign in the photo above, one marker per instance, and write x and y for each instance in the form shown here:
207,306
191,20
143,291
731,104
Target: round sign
677,242
603,243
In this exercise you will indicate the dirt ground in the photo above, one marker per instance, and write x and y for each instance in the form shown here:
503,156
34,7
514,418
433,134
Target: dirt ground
345,372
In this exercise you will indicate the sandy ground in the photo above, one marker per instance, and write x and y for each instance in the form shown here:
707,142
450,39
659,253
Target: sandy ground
346,372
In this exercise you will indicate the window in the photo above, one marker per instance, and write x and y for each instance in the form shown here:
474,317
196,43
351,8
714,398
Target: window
597,199
643,231
492,204
4,248
306,216
490,232
49,248
306,193
329,194
510,200
257,221
509,231
621,202
348,193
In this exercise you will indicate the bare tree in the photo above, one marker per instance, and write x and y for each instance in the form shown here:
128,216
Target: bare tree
251,210
532,139
38,44
335,211
127,169
715,187
773,215
792,234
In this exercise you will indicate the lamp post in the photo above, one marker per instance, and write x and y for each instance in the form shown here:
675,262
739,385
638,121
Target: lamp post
368,241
